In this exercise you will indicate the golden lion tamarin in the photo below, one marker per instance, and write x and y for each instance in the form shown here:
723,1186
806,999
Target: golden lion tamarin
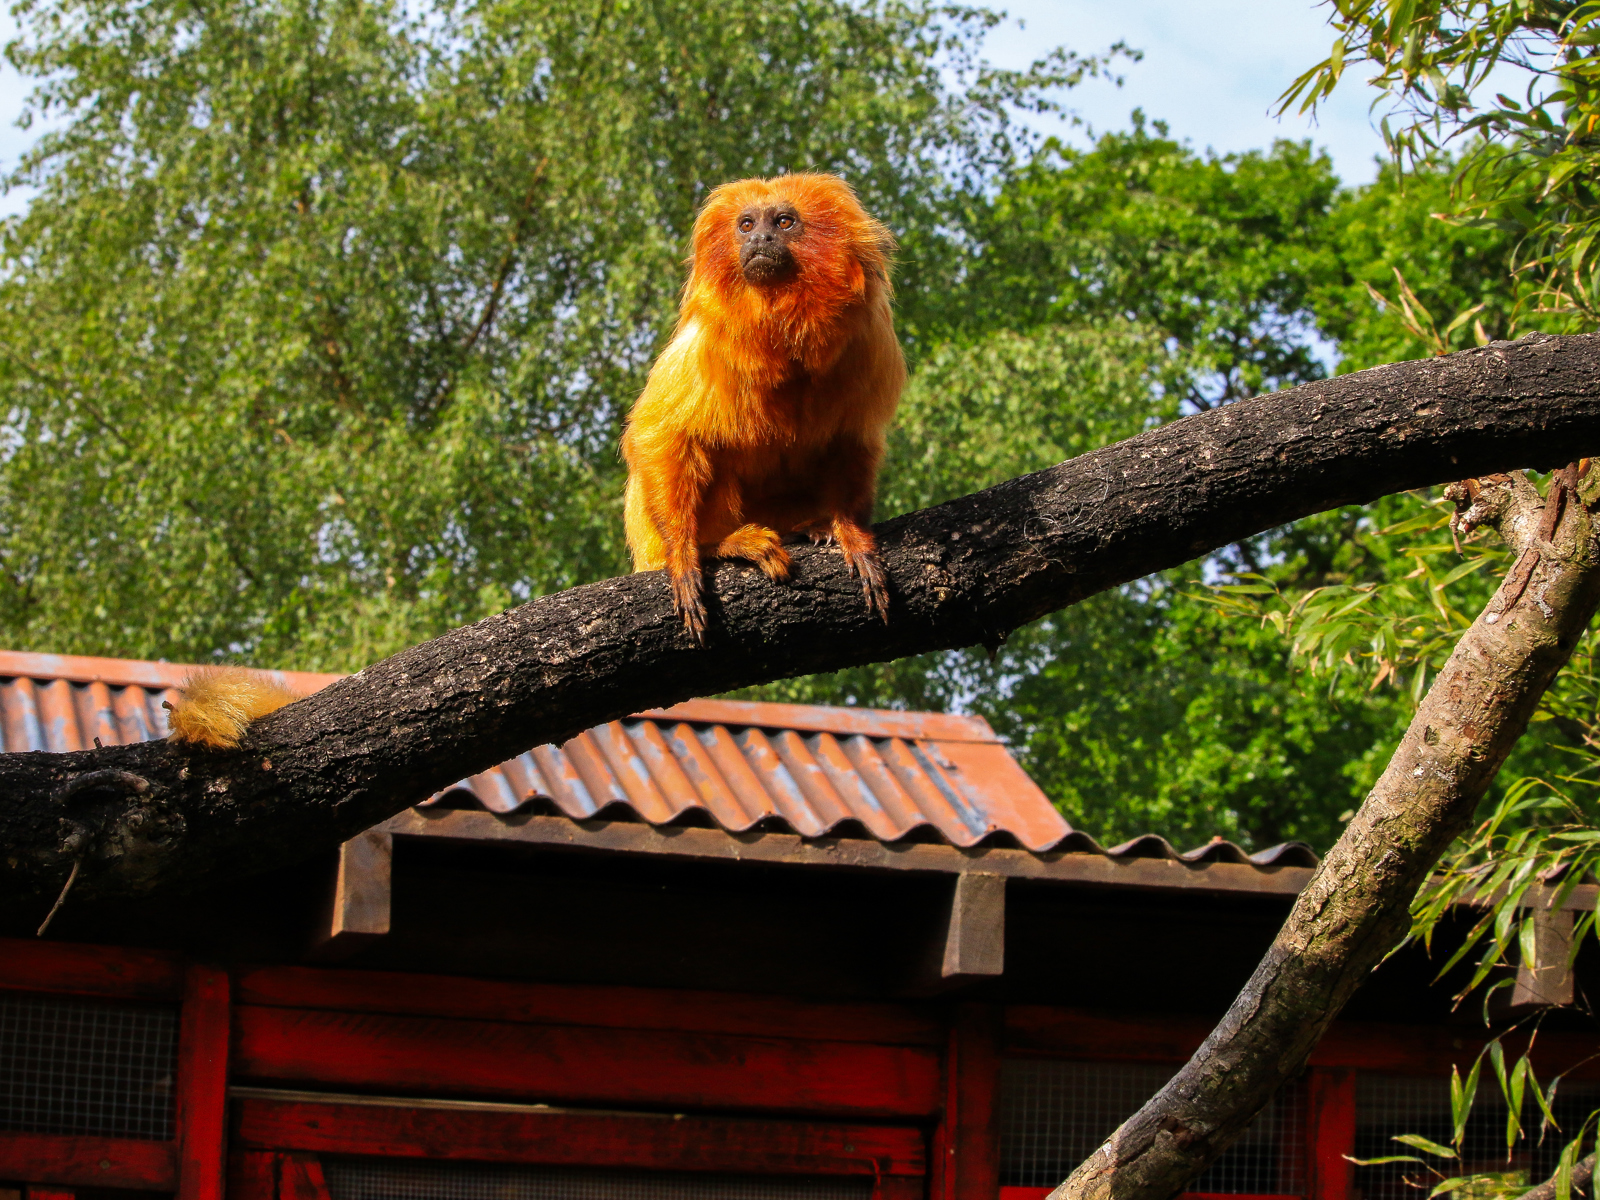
764,418
217,704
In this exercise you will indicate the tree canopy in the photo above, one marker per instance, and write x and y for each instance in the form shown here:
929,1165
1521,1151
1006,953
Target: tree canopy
318,336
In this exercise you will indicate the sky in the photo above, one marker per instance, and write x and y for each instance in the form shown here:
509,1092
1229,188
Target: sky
1211,70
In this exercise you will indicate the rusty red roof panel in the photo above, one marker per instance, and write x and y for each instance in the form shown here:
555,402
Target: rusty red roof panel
735,764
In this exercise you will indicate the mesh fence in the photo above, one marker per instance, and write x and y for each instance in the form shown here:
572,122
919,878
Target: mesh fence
91,1067
1054,1114
386,1180
1390,1105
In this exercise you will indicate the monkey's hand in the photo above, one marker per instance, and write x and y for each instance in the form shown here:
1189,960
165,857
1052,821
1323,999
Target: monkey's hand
688,601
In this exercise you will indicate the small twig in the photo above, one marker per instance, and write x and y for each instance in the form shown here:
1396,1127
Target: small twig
61,899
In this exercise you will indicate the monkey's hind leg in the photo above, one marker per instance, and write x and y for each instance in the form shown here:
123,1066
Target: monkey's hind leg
860,550
759,545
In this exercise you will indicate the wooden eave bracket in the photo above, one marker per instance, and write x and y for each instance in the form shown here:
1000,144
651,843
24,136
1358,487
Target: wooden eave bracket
361,901
975,934
1546,981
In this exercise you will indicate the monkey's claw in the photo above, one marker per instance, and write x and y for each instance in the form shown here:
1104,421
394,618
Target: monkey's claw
689,603
874,585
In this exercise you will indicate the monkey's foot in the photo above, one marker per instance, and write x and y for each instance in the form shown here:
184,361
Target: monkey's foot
688,602
818,533
860,552
759,545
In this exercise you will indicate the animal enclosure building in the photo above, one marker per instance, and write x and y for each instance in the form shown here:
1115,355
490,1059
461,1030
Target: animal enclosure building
722,951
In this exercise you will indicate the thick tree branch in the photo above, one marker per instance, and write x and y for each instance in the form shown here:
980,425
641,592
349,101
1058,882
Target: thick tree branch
964,573
1356,908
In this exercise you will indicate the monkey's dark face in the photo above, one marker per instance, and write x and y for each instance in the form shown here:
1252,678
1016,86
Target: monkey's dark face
766,235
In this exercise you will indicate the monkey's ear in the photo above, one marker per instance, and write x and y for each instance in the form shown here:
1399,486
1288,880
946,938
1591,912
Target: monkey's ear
856,275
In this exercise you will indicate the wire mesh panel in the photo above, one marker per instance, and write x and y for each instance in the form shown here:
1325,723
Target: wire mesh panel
1054,1114
379,1179
92,1067
1388,1106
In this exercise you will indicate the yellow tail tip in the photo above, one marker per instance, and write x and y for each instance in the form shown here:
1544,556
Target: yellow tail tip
217,704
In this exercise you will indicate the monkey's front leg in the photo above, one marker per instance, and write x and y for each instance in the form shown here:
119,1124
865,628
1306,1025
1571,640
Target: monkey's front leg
850,485
674,485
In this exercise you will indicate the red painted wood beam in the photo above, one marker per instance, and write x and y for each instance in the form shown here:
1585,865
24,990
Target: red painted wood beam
645,1142
405,994
1331,1119
1370,1046
550,1064
966,1145
89,970
48,1158
202,1094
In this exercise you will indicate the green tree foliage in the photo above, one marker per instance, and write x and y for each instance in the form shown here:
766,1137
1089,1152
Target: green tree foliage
1528,165
317,338
1107,289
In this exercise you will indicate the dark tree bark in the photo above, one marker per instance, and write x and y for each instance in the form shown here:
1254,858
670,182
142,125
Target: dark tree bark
1356,907
964,573
1582,1174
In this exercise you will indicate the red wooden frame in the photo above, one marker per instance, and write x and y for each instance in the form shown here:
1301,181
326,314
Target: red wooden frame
1331,1136
47,1158
49,1161
1038,1031
202,1097
555,1138
406,994
554,1063
966,1144
105,971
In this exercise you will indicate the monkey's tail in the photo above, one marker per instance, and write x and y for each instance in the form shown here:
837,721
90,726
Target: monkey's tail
217,704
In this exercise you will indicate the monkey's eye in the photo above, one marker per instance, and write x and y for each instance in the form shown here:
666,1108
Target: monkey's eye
746,224
785,222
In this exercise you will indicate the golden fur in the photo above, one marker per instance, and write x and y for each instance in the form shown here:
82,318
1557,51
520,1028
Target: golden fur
765,416
217,704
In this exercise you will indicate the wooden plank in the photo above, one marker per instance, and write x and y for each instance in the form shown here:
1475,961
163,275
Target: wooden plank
66,969
975,934
202,1092
300,1178
88,1161
631,837
252,1175
1372,1046
608,1007
556,1063
645,1142
1331,1132
361,900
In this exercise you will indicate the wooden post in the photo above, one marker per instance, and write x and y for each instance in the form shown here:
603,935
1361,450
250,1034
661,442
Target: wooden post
300,1178
1331,1132
966,1159
253,1175
203,1083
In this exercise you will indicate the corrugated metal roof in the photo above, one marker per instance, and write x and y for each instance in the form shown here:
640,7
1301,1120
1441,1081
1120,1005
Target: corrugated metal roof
734,765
